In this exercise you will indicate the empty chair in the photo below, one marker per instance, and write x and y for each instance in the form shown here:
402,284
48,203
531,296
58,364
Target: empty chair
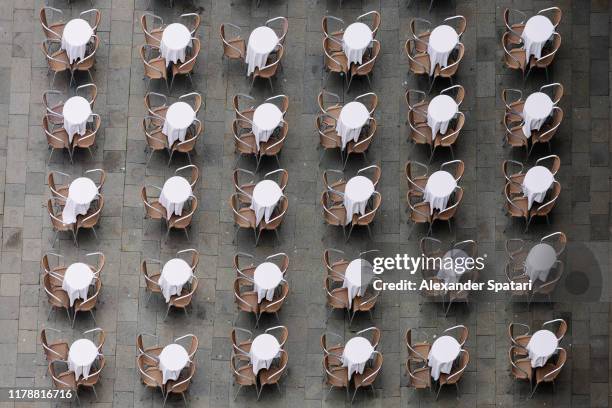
94,377
247,269
183,221
58,190
274,145
514,25
153,28
514,135
279,176
269,70
431,247
554,14
244,112
515,205
244,139
54,208
449,70
244,216
373,17
87,140
372,334
337,298
419,213
57,138
334,375
416,181
366,219
101,177
187,67
91,219
281,101
372,172
191,21
420,29
241,347
547,288
449,212
362,145
273,306
57,350
515,250
461,333
56,297
418,61
459,22
514,57
550,372
62,378
155,66
331,108
57,59
456,372
329,139
242,186
192,174
150,376
335,184
86,64
333,350
191,346
519,340
469,246
454,167
93,18
151,277
418,378
549,55
416,351
560,330
196,101
54,105
514,102
281,32
184,300
420,104
52,29
335,266
57,272
245,297
552,162
369,100
558,240
234,48
513,173
242,373
334,33
153,208
420,132
555,90
89,304
545,209
367,378
335,61
548,130
333,213
157,111
151,353
188,146
364,303
520,364
449,139
156,140
276,219
366,68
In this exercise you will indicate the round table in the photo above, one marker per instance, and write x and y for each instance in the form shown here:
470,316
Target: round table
539,261
262,42
440,111
267,277
542,345
442,354
266,195
356,39
81,356
175,192
179,117
77,279
266,119
452,275
357,277
357,352
75,37
81,193
174,275
353,116
440,186
538,107
537,31
264,349
172,359
357,192
76,112
442,41
174,42
536,183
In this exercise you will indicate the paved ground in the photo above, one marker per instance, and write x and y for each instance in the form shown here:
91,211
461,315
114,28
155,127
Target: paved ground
582,65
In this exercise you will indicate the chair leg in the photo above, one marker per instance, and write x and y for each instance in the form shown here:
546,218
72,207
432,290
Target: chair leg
50,154
430,5
186,234
93,229
170,159
354,393
450,229
74,237
167,311
534,390
438,393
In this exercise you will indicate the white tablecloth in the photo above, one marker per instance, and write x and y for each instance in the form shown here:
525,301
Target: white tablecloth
353,116
77,279
174,42
440,111
76,112
264,350
266,119
541,347
452,275
179,117
536,183
442,41
537,31
538,107
357,277
75,37
262,42
539,260
81,193
267,277
81,356
357,192
175,193
174,275
266,195
356,39
440,186
356,354
442,354
172,359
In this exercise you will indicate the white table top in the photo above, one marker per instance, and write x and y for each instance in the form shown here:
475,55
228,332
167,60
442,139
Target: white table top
176,36
77,32
265,347
267,275
176,272
538,179
443,38
357,36
173,357
359,272
442,108
538,28
263,40
76,110
441,184
78,275
538,106
359,189
177,189
445,349
354,115
82,190
83,352
358,350
267,116
180,115
541,257
267,193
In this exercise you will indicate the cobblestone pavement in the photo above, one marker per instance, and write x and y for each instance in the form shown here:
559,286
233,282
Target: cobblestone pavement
583,143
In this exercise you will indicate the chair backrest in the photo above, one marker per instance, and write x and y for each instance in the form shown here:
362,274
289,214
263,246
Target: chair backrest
144,269
192,346
278,215
449,212
512,336
281,260
509,14
269,70
51,48
281,101
462,333
284,27
325,26
549,130
193,173
189,144
363,145
90,58
332,64
91,301
280,176
144,24
150,210
507,165
370,100
46,23
416,67
191,21
552,199
561,327
557,240
59,378
451,69
454,167
50,354
451,138
185,300
238,109
555,89
197,100
416,30
185,220
553,13
375,20
229,49
457,372
430,246
469,246
548,58
368,65
187,66
324,341
92,218
553,166
322,100
410,173
372,172
457,92
373,333
561,359
368,217
512,60
154,68
278,142
420,95
506,95
56,217
459,22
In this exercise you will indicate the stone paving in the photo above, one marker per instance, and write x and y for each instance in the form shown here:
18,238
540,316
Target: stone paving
583,143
